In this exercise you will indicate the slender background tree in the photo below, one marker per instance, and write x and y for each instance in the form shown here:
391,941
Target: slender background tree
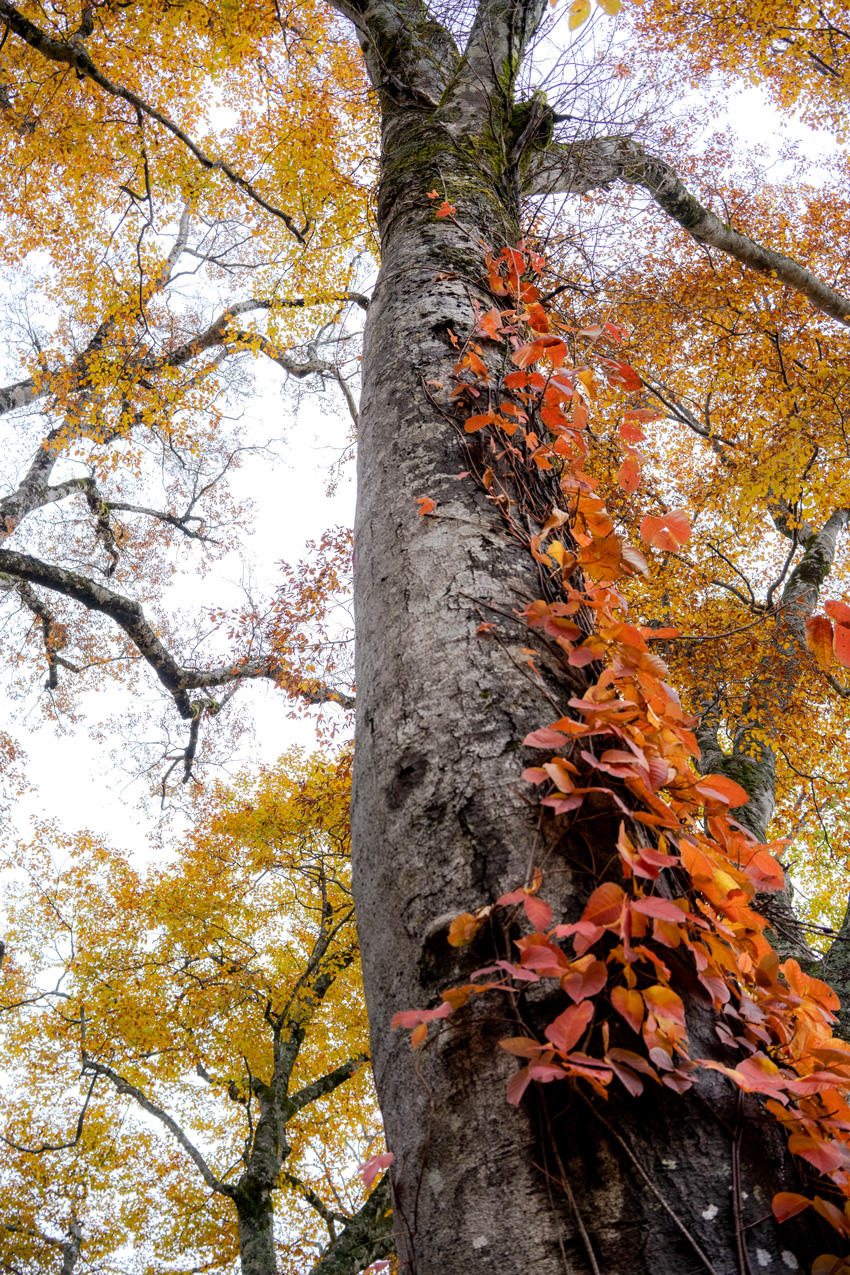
209,1017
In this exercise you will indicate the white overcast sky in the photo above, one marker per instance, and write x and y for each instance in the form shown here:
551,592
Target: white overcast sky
71,774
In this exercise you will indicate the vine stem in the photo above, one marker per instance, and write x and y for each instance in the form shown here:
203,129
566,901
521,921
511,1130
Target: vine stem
743,1255
694,1243
564,1183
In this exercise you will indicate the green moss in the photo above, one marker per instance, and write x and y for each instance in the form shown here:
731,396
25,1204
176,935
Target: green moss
814,566
532,123
745,771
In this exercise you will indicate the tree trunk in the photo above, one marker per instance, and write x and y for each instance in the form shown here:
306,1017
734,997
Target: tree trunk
665,1184
255,1218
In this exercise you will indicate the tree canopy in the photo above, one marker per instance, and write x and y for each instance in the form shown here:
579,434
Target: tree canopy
190,1039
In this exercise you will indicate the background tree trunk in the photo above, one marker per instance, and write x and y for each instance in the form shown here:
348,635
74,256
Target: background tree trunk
255,1219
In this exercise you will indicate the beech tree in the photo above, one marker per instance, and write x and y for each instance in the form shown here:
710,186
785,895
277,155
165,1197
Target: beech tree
531,406
186,1045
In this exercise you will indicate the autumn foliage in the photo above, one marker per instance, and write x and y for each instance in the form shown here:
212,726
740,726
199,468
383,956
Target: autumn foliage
658,419
688,872
154,1015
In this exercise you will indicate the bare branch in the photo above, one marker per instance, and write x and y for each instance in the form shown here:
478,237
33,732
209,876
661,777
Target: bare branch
177,679
52,634
60,1146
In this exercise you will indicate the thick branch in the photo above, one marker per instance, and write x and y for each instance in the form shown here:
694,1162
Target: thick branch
498,41
71,1245
124,1086
72,54
44,1147
326,1084
408,54
130,617
582,167
19,394
366,1238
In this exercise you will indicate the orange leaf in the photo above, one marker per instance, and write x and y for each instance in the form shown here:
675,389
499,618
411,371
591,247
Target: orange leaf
833,1215
628,476
490,324
642,414
621,375
568,1028
463,929
473,423
668,533
829,1264
521,1046
629,1005
819,640
841,644
664,1003
839,611
824,1156
585,978
538,912
528,353
605,905
632,432
426,505
457,997
718,789
477,365
788,1204
370,1170
545,738
763,870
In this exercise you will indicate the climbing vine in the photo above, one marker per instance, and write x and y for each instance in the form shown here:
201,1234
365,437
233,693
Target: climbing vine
683,874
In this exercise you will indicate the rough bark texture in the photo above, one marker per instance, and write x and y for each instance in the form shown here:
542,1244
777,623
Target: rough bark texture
439,825
256,1235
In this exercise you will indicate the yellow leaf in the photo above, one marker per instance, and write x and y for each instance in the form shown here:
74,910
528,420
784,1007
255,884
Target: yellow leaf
579,13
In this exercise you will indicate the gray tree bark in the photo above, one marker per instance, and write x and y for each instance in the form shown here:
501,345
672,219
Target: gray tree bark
664,1184
255,1220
